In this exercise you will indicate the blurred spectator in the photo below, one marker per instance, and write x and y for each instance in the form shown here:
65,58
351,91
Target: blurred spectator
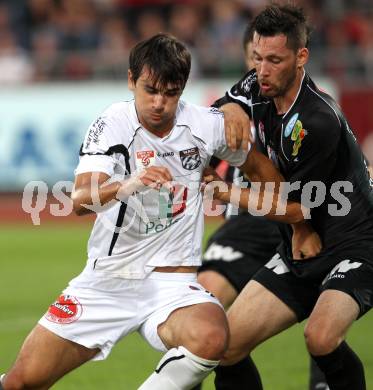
85,39
112,54
149,23
15,65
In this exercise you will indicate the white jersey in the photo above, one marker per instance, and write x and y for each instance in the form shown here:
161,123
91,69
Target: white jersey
154,228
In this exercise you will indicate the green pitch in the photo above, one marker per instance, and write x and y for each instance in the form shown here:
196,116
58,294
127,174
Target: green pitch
37,262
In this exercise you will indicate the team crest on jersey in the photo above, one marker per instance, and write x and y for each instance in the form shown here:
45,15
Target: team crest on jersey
289,127
145,158
65,310
297,136
190,158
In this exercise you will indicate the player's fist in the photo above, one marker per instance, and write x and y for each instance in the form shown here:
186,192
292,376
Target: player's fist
237,127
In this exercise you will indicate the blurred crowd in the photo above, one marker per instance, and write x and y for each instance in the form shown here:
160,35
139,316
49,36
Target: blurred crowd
44,40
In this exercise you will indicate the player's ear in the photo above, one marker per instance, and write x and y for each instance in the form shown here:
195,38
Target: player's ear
131,83
302,57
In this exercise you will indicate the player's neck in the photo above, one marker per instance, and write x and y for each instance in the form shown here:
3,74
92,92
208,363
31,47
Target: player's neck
284,102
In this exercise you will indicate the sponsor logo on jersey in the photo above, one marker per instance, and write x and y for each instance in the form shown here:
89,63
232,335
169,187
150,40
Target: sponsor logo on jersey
339,271
248,82
165,154
95,131
297,136
159,226
190,158
262,136
145,158
65,310
289,127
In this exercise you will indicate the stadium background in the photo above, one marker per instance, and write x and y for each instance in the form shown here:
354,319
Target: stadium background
61,63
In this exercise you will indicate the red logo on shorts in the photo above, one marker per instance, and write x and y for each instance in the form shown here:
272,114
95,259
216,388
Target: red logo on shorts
65,310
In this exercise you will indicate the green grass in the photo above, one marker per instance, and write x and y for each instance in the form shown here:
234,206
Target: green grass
36,264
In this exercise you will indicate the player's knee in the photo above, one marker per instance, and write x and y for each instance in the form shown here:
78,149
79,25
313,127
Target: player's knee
234,355
320,340
209,341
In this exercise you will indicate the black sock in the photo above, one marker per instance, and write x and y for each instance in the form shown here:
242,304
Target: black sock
242,375
342,368
317,377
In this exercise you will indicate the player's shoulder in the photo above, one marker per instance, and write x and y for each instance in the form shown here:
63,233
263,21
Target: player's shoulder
119,111
202,121
115,126
323,113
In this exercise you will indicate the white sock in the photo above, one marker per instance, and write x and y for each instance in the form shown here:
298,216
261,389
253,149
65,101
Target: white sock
179,369
1,379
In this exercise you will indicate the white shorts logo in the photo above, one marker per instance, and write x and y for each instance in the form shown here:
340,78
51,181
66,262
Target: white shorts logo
277,265
340,269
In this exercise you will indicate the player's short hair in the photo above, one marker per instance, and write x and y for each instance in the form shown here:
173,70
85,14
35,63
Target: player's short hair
289,20
167,59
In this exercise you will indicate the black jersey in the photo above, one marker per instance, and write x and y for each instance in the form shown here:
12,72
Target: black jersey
312,144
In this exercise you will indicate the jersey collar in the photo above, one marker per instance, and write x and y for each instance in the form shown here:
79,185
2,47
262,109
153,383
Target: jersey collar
303,82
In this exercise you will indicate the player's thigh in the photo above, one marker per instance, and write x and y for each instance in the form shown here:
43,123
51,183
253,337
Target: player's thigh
218,285
347,294
46,357
256,315
201,328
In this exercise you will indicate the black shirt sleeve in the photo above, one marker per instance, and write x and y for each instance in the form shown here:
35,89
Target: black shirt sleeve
240,93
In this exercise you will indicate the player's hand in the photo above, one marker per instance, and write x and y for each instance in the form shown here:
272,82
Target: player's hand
237,127
209,175
214,186
153,177
306,242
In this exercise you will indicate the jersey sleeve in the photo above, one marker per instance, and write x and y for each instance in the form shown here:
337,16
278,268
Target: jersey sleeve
219,144
240,93
314,155
102,150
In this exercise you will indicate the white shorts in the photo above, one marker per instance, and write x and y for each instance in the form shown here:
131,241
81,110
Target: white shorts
98,312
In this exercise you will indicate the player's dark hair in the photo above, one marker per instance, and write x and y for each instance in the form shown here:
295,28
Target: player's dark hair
167,59
283,19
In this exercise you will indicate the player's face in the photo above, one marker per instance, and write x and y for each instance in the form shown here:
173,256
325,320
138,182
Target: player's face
155,105
276,65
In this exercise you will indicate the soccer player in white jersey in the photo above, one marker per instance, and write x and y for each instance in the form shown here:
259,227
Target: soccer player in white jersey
140,170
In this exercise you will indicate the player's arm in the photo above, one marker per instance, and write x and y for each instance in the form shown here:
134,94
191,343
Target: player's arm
260,170
93,191
237,113
370,169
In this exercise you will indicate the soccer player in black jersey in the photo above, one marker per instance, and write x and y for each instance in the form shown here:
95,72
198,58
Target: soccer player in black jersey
235,252
305,134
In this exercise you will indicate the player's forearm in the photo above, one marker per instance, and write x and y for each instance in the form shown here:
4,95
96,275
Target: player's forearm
263,201
95,197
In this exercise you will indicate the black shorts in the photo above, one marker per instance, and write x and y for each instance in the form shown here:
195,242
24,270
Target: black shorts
240,247
238,272
352,275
